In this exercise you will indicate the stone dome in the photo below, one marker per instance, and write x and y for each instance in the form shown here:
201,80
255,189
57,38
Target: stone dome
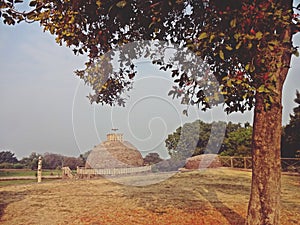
114,153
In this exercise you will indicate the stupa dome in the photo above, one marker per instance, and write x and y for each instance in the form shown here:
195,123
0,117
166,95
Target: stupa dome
114,153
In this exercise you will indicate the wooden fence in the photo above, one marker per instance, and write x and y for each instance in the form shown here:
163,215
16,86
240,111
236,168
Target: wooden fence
67,173
81,171
287,164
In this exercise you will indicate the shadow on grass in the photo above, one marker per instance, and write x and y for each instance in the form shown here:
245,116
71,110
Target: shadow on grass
230,215
8,197
192,192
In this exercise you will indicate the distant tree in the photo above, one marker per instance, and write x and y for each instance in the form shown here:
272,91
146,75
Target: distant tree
8,157
73,162
188,140
290,141
84,156
152,158
52,161
31,161
238,142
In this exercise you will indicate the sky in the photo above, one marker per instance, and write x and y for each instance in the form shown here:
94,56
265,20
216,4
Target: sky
44,106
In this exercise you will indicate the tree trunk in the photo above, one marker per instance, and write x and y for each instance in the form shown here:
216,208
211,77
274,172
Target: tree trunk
264,204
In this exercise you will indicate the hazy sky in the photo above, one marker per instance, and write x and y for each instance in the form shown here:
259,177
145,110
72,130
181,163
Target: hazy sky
44,106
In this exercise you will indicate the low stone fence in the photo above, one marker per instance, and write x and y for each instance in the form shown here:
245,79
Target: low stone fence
81,171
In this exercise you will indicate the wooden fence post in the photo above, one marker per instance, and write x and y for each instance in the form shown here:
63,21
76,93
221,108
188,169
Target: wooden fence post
231,162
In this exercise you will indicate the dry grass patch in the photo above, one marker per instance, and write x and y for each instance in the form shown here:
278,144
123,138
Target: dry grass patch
214,196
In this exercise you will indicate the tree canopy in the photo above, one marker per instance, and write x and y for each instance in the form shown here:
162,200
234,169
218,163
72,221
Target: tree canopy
291,135
237,140
8,157
232,37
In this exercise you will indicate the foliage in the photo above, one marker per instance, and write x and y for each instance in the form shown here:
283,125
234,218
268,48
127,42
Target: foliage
238,142
194,138
31,162
54,161
8,157
291,136
152,158
233,37
84,156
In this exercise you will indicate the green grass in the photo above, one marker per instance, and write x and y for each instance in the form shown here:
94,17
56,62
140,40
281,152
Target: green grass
25,172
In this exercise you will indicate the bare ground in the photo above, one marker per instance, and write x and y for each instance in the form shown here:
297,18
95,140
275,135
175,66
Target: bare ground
214,196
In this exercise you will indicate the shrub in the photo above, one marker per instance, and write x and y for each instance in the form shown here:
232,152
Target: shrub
6,165
18,166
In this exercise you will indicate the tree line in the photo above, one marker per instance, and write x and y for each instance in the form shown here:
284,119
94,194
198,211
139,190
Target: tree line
237,141
8,160
192,138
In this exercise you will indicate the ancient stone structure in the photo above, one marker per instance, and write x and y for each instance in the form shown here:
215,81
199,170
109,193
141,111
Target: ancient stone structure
114,153
203,161
39,170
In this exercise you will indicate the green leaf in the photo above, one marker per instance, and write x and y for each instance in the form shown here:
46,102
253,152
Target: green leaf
249,45
247,67
229,48
271,99
250,67
233,23
98,3
202,36
211,38
237,36
271,47
121,4
259,35
296,53
221,53
229,83
262,89
238,45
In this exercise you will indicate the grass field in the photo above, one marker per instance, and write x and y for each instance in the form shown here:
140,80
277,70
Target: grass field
26,172
29,176
213,196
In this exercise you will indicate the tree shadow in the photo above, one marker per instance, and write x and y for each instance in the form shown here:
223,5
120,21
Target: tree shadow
191,192
8,197
229,214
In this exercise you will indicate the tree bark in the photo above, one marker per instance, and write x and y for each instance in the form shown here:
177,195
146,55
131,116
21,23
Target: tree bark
264,204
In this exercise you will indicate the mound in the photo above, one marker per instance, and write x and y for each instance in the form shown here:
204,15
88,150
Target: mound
114,154
203,161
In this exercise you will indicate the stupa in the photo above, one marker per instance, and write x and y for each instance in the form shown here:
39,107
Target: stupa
114,153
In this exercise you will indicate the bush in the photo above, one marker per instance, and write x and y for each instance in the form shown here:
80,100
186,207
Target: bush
18,166
6,165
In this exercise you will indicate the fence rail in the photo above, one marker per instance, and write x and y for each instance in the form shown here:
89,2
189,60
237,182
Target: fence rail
112,171
287,164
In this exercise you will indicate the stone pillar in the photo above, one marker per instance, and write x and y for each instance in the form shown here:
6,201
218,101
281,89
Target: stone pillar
39,172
